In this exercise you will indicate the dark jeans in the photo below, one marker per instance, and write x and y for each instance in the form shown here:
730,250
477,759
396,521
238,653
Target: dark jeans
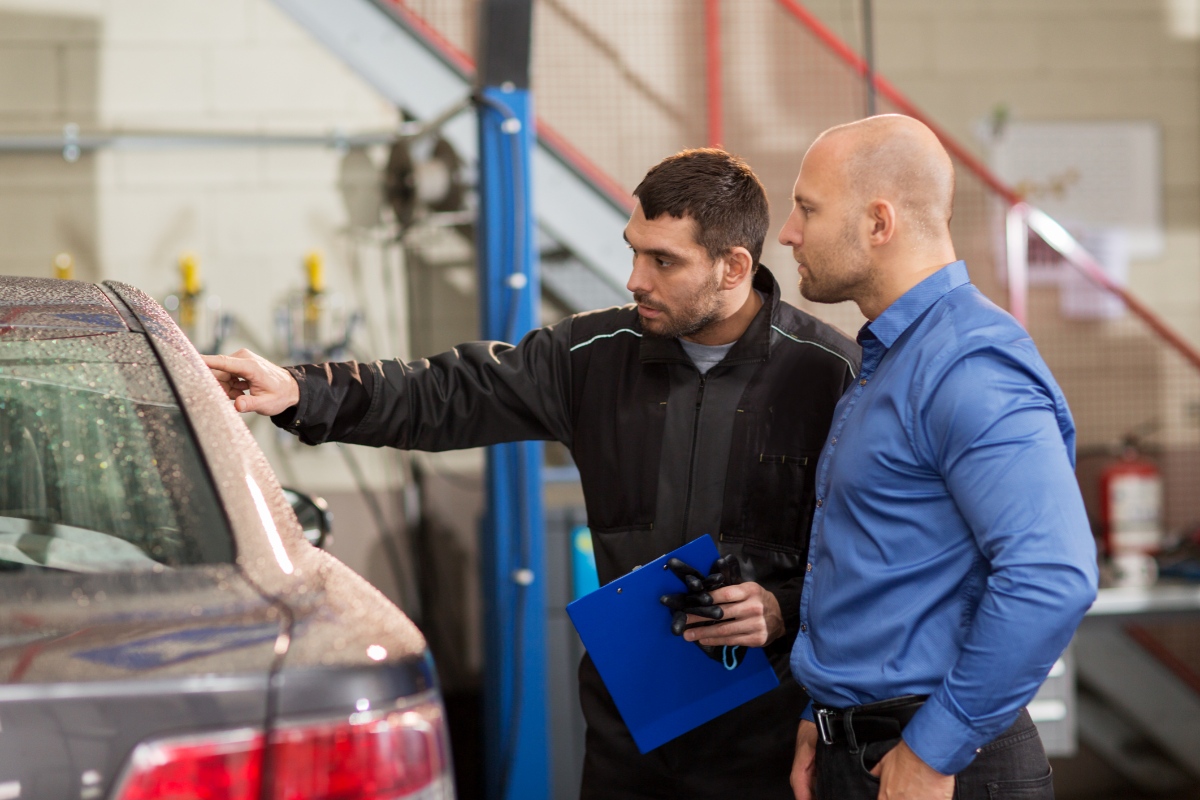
744,753
1013,767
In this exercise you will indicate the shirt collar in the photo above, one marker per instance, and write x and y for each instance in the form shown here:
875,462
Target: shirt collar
897,317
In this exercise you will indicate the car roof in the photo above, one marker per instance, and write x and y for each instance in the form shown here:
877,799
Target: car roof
50,303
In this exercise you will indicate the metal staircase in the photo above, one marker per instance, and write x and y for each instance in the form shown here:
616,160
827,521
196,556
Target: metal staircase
579,218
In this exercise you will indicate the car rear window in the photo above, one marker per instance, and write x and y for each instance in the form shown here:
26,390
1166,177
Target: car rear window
100,469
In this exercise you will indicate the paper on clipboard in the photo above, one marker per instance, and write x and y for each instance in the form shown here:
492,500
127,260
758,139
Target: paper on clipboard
662,685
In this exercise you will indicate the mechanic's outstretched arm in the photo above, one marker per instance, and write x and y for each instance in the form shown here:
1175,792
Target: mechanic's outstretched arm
272,389
476,394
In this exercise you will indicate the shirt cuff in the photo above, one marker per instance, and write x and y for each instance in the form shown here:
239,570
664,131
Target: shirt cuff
941,739
807,713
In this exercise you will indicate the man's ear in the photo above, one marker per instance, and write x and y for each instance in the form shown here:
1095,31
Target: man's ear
882,220
739,267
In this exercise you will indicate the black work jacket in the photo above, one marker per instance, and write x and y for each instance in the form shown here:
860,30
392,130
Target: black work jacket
664,453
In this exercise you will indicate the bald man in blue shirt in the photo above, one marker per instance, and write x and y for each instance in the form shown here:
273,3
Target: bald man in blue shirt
951,558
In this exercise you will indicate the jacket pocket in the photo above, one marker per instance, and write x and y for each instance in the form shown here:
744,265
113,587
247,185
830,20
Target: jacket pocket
777,501
620,549
800,461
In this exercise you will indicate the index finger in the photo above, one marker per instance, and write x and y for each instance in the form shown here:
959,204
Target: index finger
729,594
214,361
227,364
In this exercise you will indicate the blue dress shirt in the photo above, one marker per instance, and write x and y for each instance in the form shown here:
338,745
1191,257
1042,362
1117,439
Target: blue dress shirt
950,552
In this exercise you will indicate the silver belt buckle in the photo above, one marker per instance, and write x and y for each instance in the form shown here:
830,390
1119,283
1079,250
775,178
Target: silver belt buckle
823,726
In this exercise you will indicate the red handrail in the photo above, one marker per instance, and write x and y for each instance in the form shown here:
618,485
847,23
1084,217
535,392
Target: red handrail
607,184
712,44
1151,644
463,62
897,98
1077,256
466,65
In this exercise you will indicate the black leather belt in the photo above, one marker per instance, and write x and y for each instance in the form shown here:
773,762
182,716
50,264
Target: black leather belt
872,722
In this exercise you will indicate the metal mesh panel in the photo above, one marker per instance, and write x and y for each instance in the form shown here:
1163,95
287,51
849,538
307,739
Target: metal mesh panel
619,79
624,83
454,20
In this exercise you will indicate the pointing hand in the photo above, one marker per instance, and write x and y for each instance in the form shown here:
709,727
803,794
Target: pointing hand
253,383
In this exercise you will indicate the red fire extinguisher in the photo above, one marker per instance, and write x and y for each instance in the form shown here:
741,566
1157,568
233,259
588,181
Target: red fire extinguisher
1131,501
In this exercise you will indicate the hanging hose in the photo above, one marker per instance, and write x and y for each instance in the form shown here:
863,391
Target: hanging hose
390,546
517,278
516,281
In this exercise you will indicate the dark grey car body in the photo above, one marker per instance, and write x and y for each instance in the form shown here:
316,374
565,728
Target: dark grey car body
92,664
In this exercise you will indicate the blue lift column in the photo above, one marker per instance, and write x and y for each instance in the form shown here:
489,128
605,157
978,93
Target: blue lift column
515,708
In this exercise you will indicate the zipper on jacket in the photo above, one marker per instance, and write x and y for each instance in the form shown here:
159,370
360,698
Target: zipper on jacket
687,503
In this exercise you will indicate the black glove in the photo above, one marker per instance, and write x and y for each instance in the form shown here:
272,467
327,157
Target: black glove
725,571
696,600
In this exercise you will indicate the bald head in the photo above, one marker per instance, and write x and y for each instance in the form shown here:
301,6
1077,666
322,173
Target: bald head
871,217
898,159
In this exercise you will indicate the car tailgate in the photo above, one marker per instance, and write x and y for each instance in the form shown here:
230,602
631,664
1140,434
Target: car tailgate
92,664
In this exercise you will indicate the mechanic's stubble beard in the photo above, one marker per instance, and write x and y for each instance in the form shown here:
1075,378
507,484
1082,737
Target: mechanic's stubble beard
837,273
701,310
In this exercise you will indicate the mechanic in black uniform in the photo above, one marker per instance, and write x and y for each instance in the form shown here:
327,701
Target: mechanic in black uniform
698,409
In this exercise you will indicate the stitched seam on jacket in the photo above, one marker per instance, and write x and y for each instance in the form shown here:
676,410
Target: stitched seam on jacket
604,336
831,351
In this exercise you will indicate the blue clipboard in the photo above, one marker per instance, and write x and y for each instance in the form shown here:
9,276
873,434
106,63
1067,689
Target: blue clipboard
663,686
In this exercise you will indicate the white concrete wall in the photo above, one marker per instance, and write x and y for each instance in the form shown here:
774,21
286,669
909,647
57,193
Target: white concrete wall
250,214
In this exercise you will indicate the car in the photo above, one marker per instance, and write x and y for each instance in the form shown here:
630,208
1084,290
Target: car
166,630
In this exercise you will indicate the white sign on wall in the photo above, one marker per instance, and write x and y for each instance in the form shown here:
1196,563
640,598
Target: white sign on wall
1079,297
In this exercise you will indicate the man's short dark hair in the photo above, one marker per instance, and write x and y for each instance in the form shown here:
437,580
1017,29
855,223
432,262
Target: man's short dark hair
718,191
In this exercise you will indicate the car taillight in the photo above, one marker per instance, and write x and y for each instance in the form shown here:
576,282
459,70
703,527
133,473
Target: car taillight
397,754
368,756
223,766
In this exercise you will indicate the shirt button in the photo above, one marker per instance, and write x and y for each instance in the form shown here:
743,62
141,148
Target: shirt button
833,441
808,568
803,628
818,502
863,382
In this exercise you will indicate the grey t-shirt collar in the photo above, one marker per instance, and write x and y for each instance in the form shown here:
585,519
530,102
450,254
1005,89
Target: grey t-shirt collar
707,356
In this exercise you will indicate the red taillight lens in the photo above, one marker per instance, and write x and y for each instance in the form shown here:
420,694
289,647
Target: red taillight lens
224,766
370,756
394,755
